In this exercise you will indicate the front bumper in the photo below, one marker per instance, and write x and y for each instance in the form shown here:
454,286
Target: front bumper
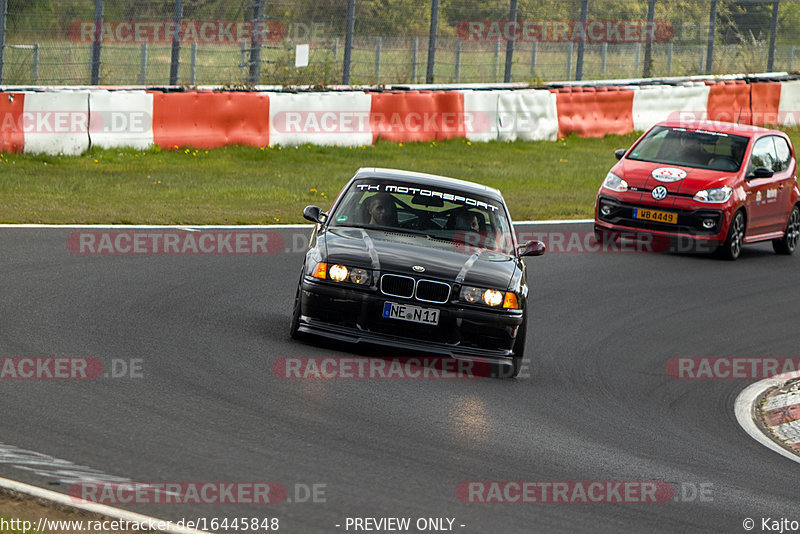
689,224
355,316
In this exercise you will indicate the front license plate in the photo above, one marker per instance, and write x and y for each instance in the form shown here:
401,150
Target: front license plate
415,314
655,215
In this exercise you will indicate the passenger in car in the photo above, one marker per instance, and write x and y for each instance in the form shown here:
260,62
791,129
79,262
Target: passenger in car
693,154
468,221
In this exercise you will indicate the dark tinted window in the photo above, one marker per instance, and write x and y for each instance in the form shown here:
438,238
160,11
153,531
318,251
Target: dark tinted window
691,147
433,211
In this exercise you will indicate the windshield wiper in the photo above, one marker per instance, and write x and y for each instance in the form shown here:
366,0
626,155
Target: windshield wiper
352,226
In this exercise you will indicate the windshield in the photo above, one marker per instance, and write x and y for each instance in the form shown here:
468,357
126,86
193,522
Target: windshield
689,147
434,212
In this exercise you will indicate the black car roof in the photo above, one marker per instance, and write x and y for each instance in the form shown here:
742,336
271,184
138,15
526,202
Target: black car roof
421,178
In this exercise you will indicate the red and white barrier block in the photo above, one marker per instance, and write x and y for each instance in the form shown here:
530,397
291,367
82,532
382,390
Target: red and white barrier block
57,121
655,103
528,114
121,119
12,135
320,119
789,104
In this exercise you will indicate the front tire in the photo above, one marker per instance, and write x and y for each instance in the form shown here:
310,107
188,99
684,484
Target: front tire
294,329
788,242
732,247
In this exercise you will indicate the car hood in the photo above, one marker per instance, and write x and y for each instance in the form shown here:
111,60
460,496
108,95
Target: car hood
398,252
639,174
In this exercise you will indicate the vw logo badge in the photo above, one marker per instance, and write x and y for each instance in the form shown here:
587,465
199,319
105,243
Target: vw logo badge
419,268
659,192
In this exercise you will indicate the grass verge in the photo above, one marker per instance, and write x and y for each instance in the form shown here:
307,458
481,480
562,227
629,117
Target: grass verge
269,185
247,185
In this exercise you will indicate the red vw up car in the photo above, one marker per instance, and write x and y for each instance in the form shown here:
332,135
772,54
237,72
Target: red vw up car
718,185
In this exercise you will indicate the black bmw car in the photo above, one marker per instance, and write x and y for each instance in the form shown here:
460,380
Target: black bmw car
420,262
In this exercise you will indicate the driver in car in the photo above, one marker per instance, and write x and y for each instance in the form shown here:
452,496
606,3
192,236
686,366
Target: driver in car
381,210
729,163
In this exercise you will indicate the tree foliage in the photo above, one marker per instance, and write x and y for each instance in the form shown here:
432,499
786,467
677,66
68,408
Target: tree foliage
737,20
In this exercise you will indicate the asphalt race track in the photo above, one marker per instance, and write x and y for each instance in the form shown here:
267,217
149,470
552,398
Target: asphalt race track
598,404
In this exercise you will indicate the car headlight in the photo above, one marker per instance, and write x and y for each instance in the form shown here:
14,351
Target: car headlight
342,273
615,183
492,297
338,273
360,276
718,195
489,297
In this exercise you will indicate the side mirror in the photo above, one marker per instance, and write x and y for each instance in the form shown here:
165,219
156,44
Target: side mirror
762,172
532,248
314,214
619,153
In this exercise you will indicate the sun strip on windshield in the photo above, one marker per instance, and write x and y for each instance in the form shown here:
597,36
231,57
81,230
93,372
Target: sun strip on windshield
406,190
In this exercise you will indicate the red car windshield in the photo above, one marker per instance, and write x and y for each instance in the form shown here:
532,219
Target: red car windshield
689,147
